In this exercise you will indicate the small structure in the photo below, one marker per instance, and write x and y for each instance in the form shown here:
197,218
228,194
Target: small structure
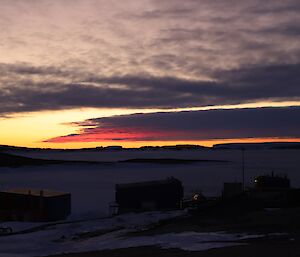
274,191
271,182
149,196
34,205
232,189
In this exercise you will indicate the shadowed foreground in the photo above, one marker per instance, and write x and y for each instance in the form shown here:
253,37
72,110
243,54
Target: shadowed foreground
257,248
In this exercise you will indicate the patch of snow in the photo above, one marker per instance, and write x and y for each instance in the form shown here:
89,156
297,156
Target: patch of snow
19,226
64,238
129,221
47,241
188,241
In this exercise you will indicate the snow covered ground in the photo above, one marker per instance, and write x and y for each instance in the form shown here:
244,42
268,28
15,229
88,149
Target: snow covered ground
92,188
72,237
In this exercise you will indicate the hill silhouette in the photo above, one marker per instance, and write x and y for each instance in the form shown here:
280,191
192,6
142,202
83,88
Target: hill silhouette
10,160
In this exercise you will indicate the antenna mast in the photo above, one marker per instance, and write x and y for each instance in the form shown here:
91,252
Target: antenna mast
243,167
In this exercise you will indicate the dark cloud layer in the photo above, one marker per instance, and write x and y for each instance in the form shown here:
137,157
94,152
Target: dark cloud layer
147,53
273,83
196,125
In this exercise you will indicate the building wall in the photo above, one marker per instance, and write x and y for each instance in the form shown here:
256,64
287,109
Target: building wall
23,207
151,197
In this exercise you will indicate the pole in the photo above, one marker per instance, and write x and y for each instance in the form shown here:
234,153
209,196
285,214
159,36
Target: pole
243,168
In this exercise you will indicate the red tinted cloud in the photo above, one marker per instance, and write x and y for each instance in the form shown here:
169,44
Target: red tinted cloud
118,134
198,125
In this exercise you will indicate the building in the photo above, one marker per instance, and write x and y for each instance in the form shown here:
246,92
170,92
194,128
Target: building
34,205
272,182
274,191
149,196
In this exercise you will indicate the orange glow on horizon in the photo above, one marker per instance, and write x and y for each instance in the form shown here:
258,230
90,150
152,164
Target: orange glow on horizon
32,129
136,144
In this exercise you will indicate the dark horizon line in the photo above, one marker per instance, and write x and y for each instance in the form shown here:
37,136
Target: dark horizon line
278,144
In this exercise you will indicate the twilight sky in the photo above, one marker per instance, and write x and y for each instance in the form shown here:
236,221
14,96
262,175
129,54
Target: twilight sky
67,67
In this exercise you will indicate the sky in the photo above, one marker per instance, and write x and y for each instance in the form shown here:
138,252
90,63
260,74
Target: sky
84,73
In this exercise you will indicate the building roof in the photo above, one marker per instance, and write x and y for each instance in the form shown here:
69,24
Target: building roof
148,183
34,192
